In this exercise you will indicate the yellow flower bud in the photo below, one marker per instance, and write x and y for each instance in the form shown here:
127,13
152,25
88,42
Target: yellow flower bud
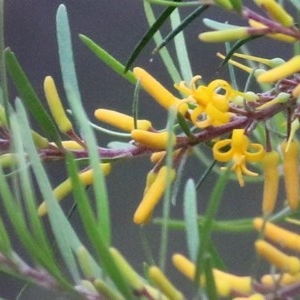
84,262
291,172
282,279
71,145
160,94
55,106
286,263
188,269
155,140
160,280
255,296
8,160
226,35
276,12
296,91
276,36
106,290
62,190
153,195
133,279
278,235
39,141
270,164
157,156
120,121
287,69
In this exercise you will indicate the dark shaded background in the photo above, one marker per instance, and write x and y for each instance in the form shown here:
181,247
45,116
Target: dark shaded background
117,26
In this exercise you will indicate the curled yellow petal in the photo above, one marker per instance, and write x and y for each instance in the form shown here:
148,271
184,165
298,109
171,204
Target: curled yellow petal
270,164
160,94
156,140
276,12
291,172
55,105
63,189
153,195
278,235
286,263
163,283
225,35
287,69
121,121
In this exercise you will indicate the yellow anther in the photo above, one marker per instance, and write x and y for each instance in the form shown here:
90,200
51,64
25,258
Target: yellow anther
278,235
276,12
153,195
286,263
291,172
155,140
163,283
55,106
120,121
285,70
270,164
62,190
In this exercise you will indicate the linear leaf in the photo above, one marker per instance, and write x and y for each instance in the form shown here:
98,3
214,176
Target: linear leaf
30,98
148,36
190,218
74,98
108,59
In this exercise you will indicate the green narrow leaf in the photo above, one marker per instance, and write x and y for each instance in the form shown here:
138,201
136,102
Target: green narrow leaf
30,98
236,46
65,238
210,285
212,24
148,36
73,95
93,231
108,59
190,218
210,212
168,193
185,22
164,54
5,245
181,50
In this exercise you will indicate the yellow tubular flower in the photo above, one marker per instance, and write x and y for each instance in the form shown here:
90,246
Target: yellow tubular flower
276,36
62,190
238,153
226,35
132,277
287,69
153,195
255,296
270,164
120,121
225,282
291,172
286,263
155,140
276,12
188,269
55,106
278,235
282,279
160,94
160,280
